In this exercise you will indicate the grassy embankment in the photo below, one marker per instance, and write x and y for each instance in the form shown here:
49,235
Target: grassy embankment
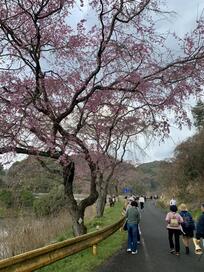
85,261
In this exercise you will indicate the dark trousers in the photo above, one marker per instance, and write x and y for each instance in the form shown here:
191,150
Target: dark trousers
174,233
141,205
199,235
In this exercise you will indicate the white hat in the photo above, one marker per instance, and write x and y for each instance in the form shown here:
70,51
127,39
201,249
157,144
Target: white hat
131,198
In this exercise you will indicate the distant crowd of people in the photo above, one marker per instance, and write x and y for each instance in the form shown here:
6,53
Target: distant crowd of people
178,224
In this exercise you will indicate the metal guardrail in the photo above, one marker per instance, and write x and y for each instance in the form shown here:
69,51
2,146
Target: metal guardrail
32,260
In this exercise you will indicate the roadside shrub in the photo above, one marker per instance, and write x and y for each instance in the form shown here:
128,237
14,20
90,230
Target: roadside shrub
6,198
51,203
26,198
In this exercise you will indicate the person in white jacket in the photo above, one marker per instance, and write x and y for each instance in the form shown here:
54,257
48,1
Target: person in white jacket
141,201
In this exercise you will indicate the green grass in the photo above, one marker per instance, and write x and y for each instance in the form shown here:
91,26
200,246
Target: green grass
85,261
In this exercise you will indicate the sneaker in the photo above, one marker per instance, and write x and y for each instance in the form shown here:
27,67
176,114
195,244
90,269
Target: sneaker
198,251
177,253
129,250
134,252
172,251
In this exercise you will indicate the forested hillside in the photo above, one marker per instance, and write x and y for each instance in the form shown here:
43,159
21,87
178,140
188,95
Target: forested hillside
31,175
184,175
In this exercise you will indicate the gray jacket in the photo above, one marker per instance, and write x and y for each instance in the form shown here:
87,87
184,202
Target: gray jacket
133,215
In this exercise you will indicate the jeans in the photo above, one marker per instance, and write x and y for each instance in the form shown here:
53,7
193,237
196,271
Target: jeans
132,236
176,234
138,234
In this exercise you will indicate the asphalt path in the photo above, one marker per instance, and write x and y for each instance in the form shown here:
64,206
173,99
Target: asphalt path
153,252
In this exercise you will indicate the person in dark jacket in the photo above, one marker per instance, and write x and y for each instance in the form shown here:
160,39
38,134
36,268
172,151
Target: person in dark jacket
133,219
199,232
188,226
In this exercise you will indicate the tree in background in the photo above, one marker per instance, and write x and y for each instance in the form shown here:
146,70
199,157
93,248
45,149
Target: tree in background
198,114
6,198
53,70
2,174
110,129
185,174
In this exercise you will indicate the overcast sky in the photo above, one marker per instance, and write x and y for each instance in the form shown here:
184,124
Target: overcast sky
187,11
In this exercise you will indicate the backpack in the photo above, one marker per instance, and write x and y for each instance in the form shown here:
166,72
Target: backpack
174,223
188,222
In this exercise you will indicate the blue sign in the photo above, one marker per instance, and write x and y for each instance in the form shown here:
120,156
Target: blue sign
127,190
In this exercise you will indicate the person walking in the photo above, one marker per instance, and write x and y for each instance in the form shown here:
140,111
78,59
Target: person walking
114,200
125,203
110,201
133,219
199,232
141,201
188,226
174,221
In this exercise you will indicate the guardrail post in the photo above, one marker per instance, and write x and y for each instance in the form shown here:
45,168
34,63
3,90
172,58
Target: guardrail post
94,250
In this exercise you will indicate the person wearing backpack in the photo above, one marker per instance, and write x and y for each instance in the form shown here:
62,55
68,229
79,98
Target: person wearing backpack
174,221
188,226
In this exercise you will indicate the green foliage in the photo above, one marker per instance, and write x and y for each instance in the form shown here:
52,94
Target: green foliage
50,203
2,212
26,198
190,156
41,207
151,176
30,175
198,114
185,174
6,198
2,171
2,176
139,189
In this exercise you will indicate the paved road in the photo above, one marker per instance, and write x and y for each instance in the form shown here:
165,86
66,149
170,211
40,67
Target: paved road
153,252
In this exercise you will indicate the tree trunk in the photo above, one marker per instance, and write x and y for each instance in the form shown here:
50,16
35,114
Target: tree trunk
78,226
76,214
100,204
102,195
76,210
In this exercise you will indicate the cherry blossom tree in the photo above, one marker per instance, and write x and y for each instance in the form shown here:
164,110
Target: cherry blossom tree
55,68
106,169
110,129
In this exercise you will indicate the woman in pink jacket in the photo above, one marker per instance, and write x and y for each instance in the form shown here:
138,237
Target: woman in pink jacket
174,227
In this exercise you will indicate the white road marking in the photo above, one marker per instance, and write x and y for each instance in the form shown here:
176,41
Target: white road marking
147,256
